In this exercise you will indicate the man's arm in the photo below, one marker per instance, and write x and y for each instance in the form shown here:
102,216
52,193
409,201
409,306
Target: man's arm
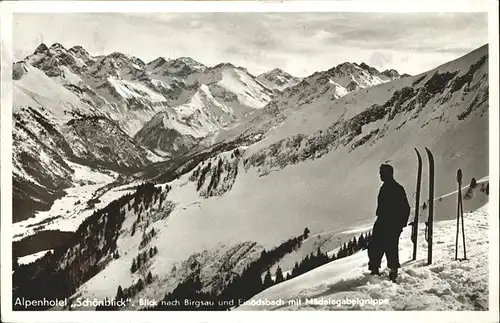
379,202
405,207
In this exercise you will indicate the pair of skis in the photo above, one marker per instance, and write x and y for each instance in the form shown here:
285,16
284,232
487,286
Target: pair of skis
430,220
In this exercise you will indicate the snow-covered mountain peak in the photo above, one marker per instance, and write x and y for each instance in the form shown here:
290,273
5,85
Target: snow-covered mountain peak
167,69
235,86
346,69
392,74
79,49
224,65
278,79
57,48
119,66
81,53
177,129
369,68
53,60
353,76
190,62
157,62
42,48
276,70
124,60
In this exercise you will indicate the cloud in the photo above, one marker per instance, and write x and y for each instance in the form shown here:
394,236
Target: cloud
380,60
300,43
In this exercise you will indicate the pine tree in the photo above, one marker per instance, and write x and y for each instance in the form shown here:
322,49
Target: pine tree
119,293
473,183
295,270
139,261
361,242
140,284
268,281
149,278
279,275
134,266
306,233
264,256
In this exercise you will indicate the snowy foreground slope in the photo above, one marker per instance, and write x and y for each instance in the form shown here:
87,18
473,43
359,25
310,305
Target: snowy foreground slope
444,285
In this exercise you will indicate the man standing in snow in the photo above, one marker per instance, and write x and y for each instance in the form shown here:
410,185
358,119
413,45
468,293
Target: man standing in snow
392,213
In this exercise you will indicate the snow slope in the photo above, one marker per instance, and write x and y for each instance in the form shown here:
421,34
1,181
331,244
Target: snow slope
32,87
444,285
30,258
69,211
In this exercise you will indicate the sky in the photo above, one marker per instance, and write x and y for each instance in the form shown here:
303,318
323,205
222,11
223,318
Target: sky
299,43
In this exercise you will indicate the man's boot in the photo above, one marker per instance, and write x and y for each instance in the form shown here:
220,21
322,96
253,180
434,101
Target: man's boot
374,271
393,274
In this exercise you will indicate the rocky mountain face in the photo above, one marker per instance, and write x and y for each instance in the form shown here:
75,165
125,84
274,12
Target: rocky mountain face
178,129
221,95
170,69
278,79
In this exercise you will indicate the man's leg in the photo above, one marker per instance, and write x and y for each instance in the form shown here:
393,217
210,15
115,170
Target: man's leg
392,253
375,249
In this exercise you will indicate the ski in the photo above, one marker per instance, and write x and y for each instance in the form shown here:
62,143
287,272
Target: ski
430,219
414,232
460,214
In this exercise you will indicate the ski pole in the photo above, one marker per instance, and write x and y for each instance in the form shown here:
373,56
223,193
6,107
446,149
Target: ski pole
463,225
459,194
